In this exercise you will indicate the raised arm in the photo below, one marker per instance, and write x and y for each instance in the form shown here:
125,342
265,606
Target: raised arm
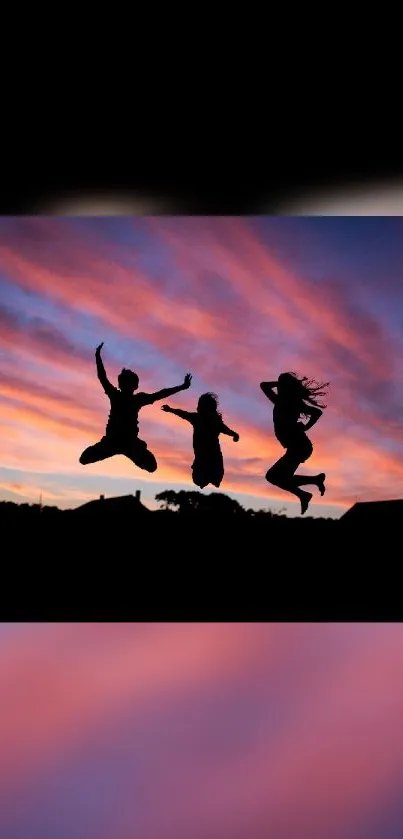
267,388
186,415
225,430
167,391
106,384
314,414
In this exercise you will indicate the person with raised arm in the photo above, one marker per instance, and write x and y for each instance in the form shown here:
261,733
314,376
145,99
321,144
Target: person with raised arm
121,435
294,398
207,422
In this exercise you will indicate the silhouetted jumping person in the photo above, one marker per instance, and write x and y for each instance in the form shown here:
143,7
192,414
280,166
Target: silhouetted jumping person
121,435
208,465
294,398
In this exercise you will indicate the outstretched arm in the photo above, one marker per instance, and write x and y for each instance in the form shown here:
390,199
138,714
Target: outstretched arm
267,388
314,413
168,391
106,384
225,430
186,415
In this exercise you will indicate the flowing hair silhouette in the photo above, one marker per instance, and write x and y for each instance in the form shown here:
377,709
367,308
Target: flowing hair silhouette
297,396
309,390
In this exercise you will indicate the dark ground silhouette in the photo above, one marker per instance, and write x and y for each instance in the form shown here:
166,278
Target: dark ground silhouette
182,510
185,511
203,557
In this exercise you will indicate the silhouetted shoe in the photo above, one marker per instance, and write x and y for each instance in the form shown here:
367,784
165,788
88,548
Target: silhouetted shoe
306,497
321,483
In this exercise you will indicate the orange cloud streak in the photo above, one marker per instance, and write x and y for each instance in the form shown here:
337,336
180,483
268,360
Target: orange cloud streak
268,288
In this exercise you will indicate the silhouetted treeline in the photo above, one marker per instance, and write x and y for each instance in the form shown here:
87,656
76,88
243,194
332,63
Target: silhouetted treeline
199,556
27,513
187,525
176,503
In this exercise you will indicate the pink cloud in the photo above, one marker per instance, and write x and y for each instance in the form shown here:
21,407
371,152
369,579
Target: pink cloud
276,317
236,721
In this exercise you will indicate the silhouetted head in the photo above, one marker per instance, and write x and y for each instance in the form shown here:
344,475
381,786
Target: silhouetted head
290,386
207,405
128,381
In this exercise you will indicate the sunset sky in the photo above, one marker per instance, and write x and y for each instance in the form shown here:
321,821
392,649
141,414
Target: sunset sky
201,731
233,300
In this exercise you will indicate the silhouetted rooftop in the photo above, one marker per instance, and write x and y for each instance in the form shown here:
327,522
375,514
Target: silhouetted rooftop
120,503
373,511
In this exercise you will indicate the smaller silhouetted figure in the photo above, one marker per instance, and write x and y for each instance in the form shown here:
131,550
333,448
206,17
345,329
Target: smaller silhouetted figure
294,398
121,435
208,465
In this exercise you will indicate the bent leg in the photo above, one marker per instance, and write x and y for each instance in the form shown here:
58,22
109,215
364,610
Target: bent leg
281,474
141,456
100,451
313,480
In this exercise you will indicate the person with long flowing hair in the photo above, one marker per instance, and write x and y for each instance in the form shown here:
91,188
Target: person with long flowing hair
207,422
294,397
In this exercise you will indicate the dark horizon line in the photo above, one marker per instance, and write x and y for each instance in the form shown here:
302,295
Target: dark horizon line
281,513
